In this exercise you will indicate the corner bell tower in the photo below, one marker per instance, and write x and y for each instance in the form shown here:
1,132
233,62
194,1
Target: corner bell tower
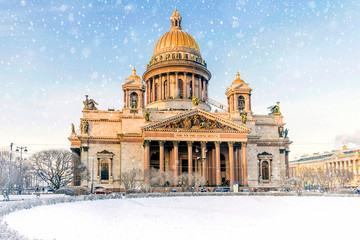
134,91
239,97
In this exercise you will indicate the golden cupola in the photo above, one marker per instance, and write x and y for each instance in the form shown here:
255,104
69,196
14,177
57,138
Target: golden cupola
176,38
176,71
239,97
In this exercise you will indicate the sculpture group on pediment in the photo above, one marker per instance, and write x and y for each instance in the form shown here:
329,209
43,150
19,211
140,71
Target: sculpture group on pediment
275,110
196,122
89,104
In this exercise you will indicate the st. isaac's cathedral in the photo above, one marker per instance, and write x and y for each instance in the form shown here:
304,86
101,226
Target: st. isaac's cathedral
167,124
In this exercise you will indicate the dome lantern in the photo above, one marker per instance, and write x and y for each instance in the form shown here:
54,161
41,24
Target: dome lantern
175,20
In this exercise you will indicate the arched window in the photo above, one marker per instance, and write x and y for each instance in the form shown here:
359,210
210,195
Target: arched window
241,103
191,90
175,23
165,89
134,100
104,170
265,173
181,88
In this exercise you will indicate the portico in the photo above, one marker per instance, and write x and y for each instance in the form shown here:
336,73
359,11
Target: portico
169,146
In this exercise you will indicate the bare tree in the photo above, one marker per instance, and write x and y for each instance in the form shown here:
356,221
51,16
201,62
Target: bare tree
132,179
4,168
344,176
56,167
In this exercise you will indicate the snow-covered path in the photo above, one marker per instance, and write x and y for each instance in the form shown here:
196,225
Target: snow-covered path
230,217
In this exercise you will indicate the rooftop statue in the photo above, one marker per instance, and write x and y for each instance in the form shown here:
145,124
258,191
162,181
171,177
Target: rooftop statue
275,110
89,104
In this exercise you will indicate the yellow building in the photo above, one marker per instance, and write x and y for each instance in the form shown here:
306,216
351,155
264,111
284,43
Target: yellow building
328,162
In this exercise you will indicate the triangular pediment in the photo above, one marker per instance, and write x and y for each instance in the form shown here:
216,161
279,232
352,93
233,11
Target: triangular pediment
197,120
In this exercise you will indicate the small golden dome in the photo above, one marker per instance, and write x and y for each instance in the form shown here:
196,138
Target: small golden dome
237,81
175,37
133,78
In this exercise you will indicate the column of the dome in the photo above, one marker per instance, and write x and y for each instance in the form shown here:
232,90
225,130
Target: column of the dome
147,91
236,102
199,88
128,100
187,85
176,94
153,90
250,102
193,85
247,105
203,92
161,87
124,99
168,84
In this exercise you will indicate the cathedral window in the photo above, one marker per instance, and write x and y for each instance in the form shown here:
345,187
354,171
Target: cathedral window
241,103
134,100
191,90
104,170
181,88
265,173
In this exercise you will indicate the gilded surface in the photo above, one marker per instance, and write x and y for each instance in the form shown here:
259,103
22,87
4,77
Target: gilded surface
197,122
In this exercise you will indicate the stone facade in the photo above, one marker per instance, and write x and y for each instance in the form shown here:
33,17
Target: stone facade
167,123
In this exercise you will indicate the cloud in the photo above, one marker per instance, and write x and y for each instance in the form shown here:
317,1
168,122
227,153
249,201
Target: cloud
349,138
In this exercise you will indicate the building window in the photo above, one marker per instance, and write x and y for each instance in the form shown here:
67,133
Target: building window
191,90
241,103
181,88
265,170
134,100
104,170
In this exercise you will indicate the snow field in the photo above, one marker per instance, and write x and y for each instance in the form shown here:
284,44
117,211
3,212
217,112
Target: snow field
218,217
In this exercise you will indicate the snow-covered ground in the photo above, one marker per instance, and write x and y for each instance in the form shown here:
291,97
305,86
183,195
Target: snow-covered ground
229,217
32,196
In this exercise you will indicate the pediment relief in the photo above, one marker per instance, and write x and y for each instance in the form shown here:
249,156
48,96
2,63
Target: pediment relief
197,120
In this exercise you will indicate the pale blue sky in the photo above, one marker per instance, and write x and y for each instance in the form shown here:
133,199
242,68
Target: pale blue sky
304,54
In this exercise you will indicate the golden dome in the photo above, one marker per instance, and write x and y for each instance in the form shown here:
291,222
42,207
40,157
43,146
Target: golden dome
237,81
176,37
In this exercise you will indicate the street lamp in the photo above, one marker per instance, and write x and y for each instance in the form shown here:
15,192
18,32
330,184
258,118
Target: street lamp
20,149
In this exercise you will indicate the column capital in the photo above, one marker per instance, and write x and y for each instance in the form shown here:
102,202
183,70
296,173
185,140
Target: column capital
244,144
190,143
147,143
161,143
217,143
203,144
176,143
231,144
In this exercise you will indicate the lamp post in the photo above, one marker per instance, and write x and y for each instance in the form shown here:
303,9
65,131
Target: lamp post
20,149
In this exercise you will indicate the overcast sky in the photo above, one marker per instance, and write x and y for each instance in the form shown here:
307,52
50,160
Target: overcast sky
304,54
